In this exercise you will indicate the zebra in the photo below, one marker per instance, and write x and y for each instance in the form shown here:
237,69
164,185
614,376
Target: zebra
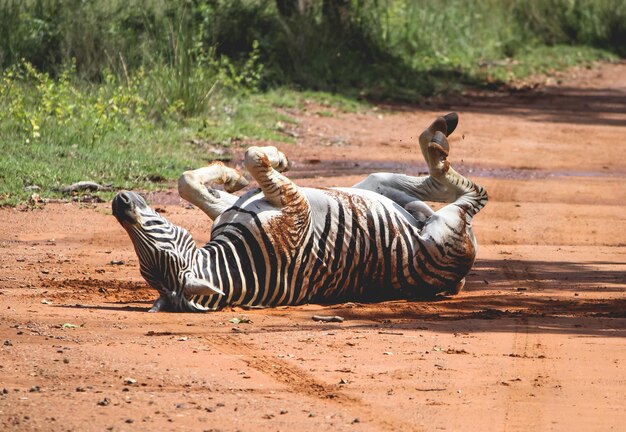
287,245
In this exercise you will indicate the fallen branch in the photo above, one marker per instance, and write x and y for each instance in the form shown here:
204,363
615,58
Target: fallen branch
327,318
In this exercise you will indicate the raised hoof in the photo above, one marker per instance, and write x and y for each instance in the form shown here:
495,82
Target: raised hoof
440,140
446,124
280,163
452,120
236,184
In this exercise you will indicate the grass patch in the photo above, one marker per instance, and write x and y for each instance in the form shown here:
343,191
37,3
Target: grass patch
56,132
540,60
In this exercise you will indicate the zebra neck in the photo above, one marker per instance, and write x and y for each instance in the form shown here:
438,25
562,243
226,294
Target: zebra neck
214,264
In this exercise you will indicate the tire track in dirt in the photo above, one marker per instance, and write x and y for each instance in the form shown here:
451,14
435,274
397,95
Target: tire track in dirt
528,390
300,382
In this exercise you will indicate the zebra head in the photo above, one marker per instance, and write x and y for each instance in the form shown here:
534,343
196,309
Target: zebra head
166,252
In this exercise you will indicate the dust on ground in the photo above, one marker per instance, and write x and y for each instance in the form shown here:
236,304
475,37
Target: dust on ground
536,341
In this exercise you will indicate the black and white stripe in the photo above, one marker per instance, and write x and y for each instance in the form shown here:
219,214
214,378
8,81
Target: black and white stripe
288,245
357,244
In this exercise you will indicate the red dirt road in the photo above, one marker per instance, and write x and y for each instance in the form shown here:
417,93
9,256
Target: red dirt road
536,341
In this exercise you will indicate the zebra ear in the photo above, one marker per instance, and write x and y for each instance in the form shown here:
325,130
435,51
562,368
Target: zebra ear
194,286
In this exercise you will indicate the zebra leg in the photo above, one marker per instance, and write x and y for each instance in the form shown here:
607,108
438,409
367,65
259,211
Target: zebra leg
289,228
194,186
446,234
449,230
265,164
404,189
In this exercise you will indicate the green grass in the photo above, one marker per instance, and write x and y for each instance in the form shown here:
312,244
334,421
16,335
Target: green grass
540,60
56,132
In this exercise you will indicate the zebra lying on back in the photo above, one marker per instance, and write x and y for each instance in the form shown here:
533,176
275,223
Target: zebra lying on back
287,245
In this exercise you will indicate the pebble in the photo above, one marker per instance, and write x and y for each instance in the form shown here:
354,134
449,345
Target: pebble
104,402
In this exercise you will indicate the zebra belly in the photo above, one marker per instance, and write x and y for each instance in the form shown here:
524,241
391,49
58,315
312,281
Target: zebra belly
368,246
357,243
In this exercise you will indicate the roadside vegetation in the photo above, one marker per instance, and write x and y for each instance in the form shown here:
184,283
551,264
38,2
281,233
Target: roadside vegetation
130,93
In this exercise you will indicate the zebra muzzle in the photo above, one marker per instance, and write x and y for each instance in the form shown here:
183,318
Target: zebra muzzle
125,206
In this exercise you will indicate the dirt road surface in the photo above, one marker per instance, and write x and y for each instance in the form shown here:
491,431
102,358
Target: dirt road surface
536,341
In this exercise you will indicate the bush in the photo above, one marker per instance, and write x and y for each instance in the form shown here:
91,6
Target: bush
380,46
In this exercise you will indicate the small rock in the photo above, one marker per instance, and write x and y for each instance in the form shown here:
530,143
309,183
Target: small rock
35,389
130,421
66,360
283,411
129,381
8,343
356,420
104,402
81,389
